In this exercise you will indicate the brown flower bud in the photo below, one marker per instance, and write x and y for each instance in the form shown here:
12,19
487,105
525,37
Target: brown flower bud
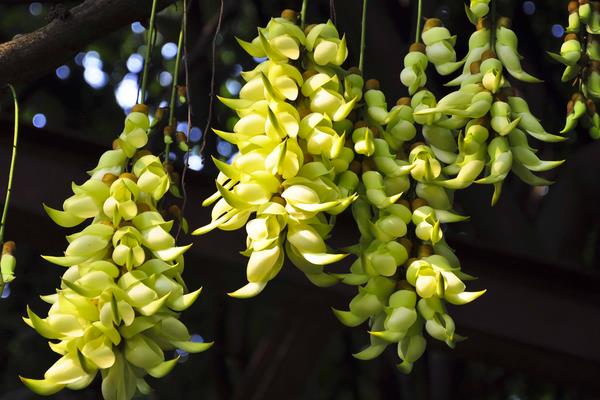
279,200
417,47
9,247
308,28
142,108
372,84
290,15
418,202
169,130
475,67
488,54
432,23
143,207
141,153
572,6
109,178
354,70
424,250
360,124
570,36
180,137
416,144
175,211
407,243
504,22
403,101
128,175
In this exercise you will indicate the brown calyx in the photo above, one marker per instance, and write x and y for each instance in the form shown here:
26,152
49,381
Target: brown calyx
279,200
504,22
418,202
142,108
432,23
475,67
128,175
424,250
488,54
143,207
109,178
570,36
180,137
403,101
175,211
169,130
372,84
572,6
407,243
355,71
420,47
9,247
290,15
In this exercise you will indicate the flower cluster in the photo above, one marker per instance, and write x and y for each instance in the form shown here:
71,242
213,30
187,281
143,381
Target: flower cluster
404,270
314,138
117,309
483,127
580,54
292,170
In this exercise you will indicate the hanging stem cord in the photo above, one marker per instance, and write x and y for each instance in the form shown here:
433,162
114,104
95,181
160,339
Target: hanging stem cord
211,95
419,17
189,119
13,159
363,37
171,119
303,14
148,52
493,26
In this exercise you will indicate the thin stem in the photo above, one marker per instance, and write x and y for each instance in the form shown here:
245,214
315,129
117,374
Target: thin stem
148,52
363,37
493,25
171,121
189,118
176,75
13,159
332,13
303,14
211,95
419,17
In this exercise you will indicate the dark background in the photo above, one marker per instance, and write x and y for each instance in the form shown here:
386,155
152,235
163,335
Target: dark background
534,335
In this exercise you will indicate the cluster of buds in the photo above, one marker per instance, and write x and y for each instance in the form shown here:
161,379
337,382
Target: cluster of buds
482,128
117,308
404,271
580,54
292,170
314,138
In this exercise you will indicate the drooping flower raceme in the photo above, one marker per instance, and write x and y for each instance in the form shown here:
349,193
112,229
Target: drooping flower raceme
117,309
291,173
580,54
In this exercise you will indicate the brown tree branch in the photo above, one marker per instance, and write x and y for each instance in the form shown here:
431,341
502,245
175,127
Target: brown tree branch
31,55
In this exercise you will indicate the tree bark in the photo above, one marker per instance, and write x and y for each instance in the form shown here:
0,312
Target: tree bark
31,55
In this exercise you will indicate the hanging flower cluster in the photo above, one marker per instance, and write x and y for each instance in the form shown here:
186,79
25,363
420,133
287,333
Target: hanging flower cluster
307,124
580,54
492,122
292,170
117,309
